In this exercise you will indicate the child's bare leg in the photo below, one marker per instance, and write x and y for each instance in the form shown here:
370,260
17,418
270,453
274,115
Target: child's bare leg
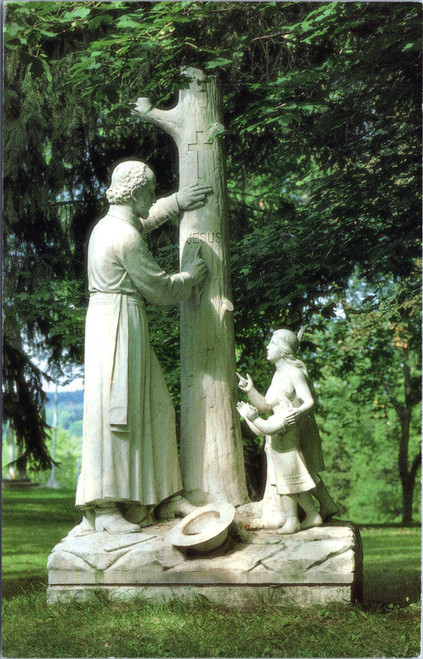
273,515
312,517
292,525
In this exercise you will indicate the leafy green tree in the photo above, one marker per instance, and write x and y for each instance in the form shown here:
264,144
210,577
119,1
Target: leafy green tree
368,363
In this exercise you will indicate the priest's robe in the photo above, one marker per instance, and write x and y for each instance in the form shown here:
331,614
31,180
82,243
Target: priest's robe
129,451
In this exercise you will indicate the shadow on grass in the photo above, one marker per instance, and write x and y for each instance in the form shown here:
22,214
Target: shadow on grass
13,586
391,588
392,563
391,585
45,507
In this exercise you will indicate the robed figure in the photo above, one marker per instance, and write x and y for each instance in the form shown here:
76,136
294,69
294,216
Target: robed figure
129,454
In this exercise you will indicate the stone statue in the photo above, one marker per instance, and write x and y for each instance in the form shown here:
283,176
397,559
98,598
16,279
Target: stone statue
292,445
129,453
130,470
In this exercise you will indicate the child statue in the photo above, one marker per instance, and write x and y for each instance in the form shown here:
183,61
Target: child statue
292,445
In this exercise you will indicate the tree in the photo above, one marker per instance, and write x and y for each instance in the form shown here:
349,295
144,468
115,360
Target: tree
322,115
210,429
371,353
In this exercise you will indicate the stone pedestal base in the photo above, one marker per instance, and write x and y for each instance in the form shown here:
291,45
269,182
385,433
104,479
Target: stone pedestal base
314,566
232,596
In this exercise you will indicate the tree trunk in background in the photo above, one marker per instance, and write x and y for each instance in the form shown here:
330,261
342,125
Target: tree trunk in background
407,475
212,461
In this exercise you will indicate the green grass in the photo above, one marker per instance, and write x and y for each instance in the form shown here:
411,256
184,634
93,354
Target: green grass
392,564
386,625
137,629
33,522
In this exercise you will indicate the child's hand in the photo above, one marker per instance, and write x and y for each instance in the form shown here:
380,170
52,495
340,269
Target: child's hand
246,384
247,411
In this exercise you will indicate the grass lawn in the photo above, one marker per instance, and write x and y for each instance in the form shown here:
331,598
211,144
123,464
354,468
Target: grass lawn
386,625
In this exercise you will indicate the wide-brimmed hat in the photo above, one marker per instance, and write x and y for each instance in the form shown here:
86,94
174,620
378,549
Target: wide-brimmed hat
204,529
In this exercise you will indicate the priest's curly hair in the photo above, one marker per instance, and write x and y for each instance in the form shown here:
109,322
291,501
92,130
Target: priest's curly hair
127,177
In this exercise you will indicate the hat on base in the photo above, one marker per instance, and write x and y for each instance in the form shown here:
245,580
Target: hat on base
203,530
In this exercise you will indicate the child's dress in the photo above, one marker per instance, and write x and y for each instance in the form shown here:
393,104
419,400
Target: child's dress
286,465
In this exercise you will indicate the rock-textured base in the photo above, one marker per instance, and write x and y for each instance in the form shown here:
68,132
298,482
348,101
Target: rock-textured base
314,566
231,596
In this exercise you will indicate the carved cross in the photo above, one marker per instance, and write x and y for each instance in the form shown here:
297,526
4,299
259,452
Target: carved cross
200,147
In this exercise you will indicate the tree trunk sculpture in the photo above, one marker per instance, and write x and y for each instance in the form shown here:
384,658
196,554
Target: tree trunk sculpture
212,461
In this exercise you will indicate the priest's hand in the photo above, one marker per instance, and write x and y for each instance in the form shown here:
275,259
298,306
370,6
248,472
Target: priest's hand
193,196
196,267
